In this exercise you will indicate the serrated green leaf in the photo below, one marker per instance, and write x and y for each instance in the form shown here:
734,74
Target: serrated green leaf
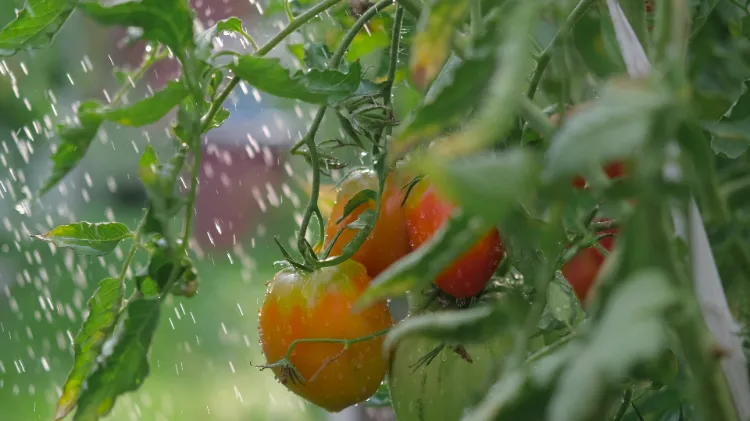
588,37
152,281
36,25
148,110
615,127
563,310
169,22
632,330
424,264
316,86
487,185
104,307
432,42
125,369
730,135
317,55
84,237
456,89
76,138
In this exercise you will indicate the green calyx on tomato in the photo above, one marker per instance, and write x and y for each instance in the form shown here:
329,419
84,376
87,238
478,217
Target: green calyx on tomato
426,212
347,365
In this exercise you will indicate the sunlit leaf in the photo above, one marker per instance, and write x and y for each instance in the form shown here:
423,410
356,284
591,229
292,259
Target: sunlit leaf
35,25
167,21
424,264
316,86
87,238
103,308
432,43
148,110
632,330
126,366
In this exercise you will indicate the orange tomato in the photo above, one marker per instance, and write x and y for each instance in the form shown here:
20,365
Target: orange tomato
308,305
426,212
388,240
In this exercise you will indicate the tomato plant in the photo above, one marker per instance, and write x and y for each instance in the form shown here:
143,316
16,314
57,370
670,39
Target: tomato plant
651,146
426,212
300,306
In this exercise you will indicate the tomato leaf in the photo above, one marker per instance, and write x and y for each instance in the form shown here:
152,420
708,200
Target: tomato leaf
360,198
616,127
152,281
166,21
632,330
563,310
84,237
487,185
316,86
36,25
103,306
464,326
590,40
730,134
76,138
75,141
432,42
126,367
148,110
424,264
457,88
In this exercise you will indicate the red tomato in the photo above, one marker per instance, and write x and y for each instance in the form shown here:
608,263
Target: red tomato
466,277
581,271
388,240
308,305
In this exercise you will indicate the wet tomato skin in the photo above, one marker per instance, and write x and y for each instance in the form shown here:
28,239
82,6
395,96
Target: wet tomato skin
426,212
388,240
318,304
581,271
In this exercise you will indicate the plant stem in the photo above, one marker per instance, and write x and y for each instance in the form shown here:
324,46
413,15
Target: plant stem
626,399
393,57
133,248
536,118
475,15
412,6
150,59
309,138
295,24
546,55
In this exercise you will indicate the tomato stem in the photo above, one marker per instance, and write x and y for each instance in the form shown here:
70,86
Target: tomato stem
546,55
626,399
285,362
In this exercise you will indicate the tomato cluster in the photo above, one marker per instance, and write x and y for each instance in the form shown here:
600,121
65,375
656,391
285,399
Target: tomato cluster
299,305
330,355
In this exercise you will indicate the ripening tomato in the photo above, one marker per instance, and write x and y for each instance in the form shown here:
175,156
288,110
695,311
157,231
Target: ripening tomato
307,305
581,271
466,277
388,240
